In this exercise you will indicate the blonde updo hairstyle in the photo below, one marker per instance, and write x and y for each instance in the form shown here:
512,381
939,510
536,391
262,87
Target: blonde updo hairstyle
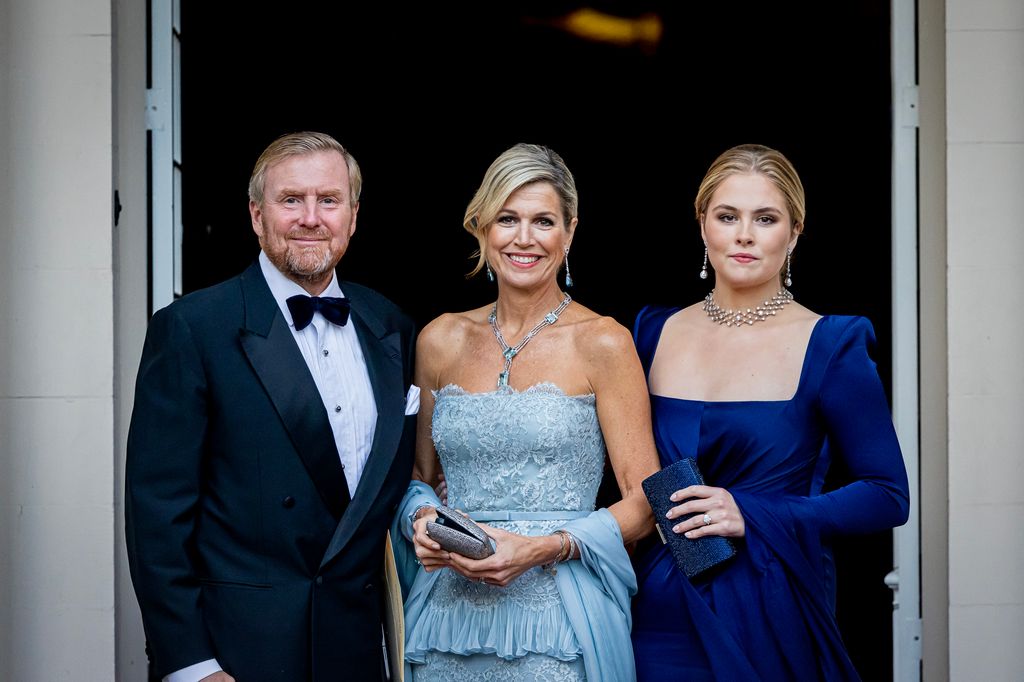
517,167
760,160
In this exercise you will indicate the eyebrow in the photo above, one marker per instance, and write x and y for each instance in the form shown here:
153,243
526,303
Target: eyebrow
763,209
542,214
291,191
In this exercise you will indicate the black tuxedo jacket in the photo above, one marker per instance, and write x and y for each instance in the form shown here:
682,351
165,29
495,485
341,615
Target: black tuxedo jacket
242,542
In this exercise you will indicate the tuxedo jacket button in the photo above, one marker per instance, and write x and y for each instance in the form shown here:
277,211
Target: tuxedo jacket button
367,587
319,580
288,502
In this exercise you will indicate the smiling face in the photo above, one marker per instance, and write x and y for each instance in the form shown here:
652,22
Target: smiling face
526,243
306,218
747,228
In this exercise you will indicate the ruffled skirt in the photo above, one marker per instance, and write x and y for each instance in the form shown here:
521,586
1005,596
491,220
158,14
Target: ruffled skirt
473,631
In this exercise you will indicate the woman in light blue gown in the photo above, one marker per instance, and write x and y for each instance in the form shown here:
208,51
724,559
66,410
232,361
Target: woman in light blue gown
522,400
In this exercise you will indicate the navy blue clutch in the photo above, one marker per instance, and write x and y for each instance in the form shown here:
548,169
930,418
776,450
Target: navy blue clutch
692,556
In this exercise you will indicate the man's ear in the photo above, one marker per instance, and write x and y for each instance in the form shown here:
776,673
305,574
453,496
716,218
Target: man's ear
256,215
355,212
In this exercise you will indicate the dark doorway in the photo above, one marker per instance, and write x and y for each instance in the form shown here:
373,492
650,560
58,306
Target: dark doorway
426,95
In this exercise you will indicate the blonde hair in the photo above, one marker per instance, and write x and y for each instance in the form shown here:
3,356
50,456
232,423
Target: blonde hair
517,167
298,144
761,160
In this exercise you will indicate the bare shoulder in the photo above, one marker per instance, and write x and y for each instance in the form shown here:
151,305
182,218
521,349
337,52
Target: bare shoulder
445,335
802,314
685,322
800,320
601,341
688,316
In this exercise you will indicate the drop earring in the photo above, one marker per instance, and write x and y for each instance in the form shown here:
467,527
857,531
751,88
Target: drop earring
568,277
789,279
704,268
490,273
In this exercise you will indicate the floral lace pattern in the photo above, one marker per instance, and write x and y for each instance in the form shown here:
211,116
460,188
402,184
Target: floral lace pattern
448,667
537,450
533,591
532,450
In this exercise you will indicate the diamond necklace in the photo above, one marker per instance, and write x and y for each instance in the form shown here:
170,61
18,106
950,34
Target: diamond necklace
511,352
739,318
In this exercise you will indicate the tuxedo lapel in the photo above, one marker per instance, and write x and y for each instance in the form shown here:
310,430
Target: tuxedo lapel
274,356
382,353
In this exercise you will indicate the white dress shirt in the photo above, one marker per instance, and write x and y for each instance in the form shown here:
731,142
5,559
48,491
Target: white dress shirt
335,360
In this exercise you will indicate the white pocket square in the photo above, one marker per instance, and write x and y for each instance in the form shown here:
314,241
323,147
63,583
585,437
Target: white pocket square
412,400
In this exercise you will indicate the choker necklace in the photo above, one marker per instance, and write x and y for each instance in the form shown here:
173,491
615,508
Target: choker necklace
511,352
739,318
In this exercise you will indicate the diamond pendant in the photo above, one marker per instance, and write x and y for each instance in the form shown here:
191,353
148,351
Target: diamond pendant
509,353
503,380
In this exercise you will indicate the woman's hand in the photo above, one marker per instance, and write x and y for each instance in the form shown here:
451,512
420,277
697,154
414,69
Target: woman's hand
428,553
715,509
515,554
441,489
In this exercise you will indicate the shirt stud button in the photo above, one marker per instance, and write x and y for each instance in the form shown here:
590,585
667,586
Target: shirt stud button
337,408
326,352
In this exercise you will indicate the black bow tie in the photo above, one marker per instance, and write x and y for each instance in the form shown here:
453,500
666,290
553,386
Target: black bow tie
302,308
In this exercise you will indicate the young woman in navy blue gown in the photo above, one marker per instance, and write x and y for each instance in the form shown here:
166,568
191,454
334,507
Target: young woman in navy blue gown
764,393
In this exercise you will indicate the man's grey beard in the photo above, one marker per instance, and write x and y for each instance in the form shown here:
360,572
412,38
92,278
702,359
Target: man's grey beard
297,261
295,265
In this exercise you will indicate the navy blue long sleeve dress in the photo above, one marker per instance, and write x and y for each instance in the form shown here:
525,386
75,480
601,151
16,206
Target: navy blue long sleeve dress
769,614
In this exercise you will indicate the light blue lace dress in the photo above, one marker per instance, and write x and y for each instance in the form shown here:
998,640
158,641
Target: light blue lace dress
529,462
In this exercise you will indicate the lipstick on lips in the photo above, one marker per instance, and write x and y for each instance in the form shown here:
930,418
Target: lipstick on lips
743,258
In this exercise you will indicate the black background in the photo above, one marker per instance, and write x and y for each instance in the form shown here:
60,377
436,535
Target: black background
426,96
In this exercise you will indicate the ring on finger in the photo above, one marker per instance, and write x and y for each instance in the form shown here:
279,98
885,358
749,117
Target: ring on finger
707,519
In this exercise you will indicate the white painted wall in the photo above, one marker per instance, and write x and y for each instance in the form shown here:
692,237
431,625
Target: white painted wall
131,274
985,213
56,341
8,513
932,340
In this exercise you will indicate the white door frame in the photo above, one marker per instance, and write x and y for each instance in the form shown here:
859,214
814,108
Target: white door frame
163,121
905,576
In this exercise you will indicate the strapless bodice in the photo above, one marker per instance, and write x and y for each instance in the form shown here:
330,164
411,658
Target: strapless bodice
532,450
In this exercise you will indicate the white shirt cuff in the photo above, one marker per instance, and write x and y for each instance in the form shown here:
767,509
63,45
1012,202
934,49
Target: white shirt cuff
194,672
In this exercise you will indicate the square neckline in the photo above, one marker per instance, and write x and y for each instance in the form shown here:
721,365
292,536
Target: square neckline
799,384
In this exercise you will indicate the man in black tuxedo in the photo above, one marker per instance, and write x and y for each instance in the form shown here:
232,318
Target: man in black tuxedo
270,443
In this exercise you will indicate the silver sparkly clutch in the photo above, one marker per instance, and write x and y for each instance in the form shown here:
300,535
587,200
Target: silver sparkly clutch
457,533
